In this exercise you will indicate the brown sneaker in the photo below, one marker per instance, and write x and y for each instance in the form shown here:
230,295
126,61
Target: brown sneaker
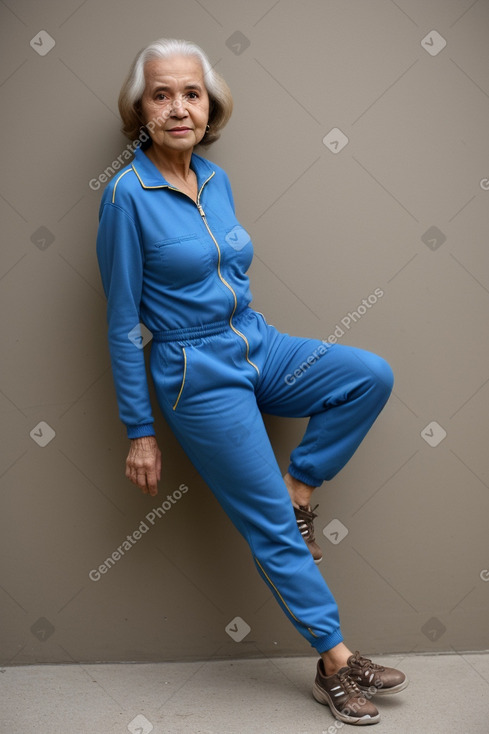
346,701
305,521
368,675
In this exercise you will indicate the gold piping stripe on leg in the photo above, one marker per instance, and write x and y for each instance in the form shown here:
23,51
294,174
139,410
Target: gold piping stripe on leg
282,599
183,378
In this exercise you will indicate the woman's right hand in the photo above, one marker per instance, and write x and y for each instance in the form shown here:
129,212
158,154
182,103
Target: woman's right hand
143,464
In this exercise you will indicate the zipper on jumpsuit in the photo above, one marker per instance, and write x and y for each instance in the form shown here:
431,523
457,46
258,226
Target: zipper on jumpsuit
222,279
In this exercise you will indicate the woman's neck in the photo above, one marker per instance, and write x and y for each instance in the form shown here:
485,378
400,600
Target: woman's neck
175,166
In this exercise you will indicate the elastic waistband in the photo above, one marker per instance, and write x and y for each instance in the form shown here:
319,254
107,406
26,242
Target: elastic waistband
192,332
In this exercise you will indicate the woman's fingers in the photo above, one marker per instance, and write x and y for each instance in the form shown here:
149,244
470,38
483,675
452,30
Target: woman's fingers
143,464
151,483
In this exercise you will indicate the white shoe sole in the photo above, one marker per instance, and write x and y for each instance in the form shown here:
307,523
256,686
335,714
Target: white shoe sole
322,697
387,691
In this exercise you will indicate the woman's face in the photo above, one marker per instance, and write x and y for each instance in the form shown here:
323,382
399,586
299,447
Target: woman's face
175,103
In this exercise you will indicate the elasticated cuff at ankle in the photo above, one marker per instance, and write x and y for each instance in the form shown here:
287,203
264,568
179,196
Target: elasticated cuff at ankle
303,477
323,644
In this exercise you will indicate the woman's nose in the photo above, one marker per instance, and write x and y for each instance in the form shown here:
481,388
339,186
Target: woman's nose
178,107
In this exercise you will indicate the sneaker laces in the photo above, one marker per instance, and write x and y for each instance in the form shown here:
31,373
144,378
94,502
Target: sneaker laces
350,686
362,663
305,520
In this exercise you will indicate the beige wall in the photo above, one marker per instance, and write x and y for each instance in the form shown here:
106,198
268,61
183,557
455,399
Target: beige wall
329,229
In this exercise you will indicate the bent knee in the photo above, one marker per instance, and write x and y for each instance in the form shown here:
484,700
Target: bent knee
381,374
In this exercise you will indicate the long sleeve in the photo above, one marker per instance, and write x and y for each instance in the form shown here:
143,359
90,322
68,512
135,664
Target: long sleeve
121,263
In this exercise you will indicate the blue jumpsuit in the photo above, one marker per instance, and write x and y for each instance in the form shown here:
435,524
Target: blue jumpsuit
179,267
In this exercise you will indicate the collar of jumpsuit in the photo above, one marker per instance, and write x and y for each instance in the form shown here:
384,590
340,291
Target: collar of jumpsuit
150,177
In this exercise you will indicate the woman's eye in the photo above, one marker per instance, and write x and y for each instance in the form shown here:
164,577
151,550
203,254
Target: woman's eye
193,95
160,96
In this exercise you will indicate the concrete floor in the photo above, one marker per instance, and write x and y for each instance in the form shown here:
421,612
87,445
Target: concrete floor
447,693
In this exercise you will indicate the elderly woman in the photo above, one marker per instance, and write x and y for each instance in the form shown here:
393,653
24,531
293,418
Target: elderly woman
173,256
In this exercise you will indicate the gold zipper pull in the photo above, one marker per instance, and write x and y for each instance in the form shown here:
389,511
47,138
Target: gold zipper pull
202,212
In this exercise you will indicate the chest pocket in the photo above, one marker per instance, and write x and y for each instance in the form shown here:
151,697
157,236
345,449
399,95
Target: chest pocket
184,260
